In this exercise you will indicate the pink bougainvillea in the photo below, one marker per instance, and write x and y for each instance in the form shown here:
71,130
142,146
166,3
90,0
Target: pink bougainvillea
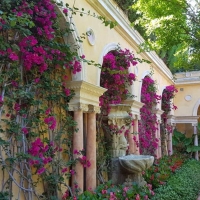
168,94
116,78
148,123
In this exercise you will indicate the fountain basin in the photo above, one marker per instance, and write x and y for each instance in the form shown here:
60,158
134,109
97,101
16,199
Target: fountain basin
136,163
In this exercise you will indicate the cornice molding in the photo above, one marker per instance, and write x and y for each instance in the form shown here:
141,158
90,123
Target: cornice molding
85,94
158,113
86,87
183,119
135,107
111,11
187,78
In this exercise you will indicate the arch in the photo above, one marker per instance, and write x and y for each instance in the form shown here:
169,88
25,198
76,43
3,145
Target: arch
195,108
73,38
161,93
171,102
106,49
146,73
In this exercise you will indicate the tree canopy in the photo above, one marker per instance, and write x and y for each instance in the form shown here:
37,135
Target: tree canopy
172,29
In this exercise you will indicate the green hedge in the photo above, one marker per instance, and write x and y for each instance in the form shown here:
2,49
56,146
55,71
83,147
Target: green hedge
184,185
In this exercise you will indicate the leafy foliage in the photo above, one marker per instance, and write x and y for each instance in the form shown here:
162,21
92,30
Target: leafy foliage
163,168
119,192
182,143
183,185
36,127
147,125
172,29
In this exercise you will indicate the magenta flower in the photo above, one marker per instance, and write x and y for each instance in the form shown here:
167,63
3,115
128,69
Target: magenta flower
13,56
137,197
51,122
1,100
25,130
37,80
64,170
76,151
14,84
65,10
17,107
48,111
67,91
72,172
41,170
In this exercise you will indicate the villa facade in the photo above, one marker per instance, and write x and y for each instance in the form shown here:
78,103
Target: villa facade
100,40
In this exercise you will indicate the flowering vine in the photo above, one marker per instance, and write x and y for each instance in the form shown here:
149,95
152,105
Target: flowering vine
116,78
36,127
168,94
148,123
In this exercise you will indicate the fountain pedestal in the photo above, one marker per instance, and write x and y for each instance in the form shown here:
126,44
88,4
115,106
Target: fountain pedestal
128,169
119,120
134,165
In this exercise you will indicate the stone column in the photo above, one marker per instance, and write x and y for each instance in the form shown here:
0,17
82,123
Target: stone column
196,141
91,149
170,149
135,130
157,137
159,142
170,146
78,145
85,94
130,141
119,118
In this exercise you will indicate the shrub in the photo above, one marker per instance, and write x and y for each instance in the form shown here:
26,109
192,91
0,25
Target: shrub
162,169
118,192
184,185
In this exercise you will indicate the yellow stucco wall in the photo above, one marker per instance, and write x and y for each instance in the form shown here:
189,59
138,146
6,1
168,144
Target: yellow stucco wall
186,108
103,37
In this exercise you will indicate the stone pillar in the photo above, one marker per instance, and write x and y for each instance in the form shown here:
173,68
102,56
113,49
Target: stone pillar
135,130
120,119
170,149
196,141
91,150
159,142
78,145
157,137
130,141
170,146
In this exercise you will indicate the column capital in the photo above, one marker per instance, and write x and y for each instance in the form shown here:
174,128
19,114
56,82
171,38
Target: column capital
78,106
171,120
96,109
194,124
135,107
85,94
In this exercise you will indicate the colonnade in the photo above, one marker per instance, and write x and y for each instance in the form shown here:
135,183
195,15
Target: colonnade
85,106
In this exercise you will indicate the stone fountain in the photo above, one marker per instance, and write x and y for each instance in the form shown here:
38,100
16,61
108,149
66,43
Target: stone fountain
125,169
132,167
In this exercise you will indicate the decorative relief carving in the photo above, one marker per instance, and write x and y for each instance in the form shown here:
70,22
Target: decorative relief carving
188,98
119,117
91,36
78,106
96,109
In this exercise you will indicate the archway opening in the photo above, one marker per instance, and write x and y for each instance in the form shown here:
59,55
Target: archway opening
148,124
115,77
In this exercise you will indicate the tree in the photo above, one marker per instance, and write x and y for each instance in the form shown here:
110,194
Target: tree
172,30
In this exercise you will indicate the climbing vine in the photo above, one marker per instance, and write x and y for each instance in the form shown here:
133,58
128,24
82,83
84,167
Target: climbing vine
116,78
148,123
36,127
167,96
